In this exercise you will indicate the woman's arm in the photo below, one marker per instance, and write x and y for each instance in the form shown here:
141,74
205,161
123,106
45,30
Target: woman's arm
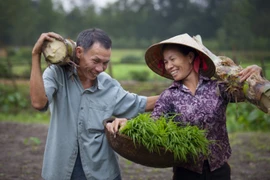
248,71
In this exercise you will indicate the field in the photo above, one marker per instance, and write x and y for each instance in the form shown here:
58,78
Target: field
23,131
20,64
23,138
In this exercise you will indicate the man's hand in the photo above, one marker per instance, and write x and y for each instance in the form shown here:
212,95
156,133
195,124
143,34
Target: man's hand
44,37
114,126
248,71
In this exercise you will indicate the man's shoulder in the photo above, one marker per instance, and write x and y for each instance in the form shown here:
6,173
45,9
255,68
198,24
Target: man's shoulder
54,68
55,72
106,79
104,75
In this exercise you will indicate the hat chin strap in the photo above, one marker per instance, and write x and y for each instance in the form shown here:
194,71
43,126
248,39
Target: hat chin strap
198,61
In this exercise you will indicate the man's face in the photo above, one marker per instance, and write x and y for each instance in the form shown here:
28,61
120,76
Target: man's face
92,62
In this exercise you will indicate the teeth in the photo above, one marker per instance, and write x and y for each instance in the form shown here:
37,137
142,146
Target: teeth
173,73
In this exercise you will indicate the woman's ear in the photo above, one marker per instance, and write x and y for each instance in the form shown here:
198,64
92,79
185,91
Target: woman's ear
191,57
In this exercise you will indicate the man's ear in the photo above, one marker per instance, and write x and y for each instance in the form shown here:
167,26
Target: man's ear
79,52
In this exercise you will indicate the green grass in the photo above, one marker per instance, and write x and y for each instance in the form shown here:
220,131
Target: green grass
118,54
26,117
122,71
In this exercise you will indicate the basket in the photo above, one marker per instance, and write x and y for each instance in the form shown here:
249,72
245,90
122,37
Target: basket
124,146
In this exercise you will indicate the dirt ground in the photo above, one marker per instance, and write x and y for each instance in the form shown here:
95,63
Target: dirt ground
22,147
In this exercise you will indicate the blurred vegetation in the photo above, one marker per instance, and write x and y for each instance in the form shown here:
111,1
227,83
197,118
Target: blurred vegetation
132,59
246,117
15,106
225,24
139,75
237,29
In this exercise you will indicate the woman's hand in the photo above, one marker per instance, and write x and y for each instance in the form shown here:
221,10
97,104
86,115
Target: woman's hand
248,71
37,49
114,126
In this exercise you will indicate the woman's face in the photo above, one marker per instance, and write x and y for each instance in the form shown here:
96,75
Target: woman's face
93,62
177,64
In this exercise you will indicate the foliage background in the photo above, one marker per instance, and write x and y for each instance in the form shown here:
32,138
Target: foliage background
241,24
238,29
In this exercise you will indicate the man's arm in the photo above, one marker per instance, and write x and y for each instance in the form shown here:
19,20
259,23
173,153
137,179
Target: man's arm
37,89
114,126
150,104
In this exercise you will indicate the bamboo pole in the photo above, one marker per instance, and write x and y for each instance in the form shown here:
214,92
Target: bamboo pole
256,89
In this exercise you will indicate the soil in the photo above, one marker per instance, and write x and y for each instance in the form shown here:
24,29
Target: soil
22,147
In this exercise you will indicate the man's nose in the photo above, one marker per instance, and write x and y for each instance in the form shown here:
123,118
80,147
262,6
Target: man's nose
99,68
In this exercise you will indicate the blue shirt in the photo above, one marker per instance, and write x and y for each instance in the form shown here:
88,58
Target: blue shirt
205,109
76,121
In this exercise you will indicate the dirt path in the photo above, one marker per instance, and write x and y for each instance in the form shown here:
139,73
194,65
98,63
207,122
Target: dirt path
22,149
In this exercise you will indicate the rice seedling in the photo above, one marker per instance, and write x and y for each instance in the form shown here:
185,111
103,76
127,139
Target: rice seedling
185,142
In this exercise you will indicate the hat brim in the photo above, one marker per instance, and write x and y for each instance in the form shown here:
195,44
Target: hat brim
153,55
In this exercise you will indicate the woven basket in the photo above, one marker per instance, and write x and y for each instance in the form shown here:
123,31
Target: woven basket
125,147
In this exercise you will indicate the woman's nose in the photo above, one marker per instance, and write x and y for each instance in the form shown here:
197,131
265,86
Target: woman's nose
169,65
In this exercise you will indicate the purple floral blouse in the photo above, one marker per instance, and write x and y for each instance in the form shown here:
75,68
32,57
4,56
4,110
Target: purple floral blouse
207,110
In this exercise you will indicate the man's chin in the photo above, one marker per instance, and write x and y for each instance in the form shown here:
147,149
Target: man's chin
93,77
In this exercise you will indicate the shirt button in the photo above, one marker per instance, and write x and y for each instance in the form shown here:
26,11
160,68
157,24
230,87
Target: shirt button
80,123
81,108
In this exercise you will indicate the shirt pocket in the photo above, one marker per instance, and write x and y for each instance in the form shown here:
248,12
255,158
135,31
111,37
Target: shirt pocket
97,113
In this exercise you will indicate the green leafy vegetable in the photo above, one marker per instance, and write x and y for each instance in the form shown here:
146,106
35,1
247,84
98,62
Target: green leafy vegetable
186,142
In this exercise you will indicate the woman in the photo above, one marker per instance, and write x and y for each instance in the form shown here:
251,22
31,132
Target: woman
199,100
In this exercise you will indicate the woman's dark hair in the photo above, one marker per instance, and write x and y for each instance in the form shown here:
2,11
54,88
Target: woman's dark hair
88,37
181,48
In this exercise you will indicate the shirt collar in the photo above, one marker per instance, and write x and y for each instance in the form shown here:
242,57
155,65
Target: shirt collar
179,84
97,85
73,72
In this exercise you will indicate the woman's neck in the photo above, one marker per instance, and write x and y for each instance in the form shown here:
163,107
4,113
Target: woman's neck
191,82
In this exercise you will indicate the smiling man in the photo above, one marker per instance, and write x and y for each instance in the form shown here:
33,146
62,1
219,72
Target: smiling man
80,98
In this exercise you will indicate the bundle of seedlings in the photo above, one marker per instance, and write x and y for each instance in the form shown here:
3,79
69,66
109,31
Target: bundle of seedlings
59,52
256,89
185,142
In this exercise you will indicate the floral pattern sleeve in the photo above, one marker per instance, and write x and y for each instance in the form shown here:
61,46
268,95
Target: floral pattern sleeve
163,105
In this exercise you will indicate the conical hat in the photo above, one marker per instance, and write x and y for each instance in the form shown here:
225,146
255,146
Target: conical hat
153,55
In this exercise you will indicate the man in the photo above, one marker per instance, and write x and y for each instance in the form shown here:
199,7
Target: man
79,101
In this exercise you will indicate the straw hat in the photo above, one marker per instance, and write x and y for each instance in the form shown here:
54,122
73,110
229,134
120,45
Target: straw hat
153,55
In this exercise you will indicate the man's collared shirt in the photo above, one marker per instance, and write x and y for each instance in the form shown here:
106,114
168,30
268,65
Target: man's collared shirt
77,116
